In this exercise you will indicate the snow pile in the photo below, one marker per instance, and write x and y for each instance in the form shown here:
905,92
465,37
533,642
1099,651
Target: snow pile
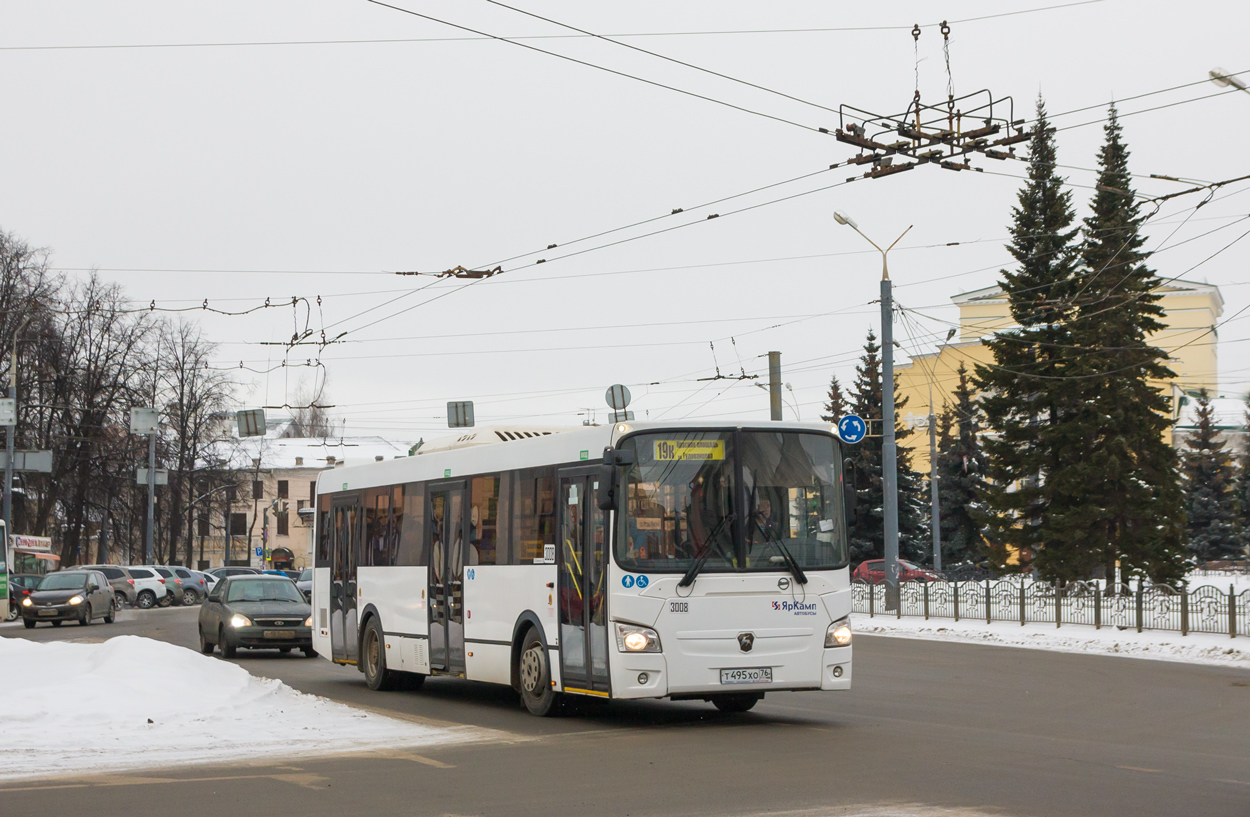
132,702
1200,648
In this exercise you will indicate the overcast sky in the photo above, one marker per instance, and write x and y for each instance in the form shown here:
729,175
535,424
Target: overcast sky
237,173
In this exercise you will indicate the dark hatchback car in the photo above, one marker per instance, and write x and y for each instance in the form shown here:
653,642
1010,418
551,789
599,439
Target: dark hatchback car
72,595
255,612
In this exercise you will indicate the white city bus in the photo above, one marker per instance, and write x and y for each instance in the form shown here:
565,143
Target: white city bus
635,560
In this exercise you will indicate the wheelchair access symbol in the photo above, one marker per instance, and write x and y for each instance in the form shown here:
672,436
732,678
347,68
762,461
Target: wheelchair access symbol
628,581
852,428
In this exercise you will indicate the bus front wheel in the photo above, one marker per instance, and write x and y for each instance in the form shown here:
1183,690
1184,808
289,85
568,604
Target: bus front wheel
535,674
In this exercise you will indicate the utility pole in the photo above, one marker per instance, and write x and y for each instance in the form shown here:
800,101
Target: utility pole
889,450
10,437
774,385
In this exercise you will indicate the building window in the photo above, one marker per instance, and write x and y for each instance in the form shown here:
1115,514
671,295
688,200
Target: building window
282,489
312,491
283,530
202,524
258,489
232,493
238,524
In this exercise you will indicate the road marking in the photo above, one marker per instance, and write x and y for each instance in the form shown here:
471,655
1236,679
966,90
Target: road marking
1140,769
1234,782
428,761
307,780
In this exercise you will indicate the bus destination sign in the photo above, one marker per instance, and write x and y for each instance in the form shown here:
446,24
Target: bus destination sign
670,450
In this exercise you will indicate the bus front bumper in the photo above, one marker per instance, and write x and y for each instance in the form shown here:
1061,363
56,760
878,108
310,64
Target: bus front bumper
648,675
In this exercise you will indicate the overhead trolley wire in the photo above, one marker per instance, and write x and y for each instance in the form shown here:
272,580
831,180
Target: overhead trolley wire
811,128
731,32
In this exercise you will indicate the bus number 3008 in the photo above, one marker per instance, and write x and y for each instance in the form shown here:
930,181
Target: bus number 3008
679,607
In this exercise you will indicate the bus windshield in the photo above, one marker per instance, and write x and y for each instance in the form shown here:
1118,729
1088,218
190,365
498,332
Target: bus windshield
739,500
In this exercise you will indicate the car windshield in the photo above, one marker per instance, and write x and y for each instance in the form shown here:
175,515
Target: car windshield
63,581
274,589
306,574
745,500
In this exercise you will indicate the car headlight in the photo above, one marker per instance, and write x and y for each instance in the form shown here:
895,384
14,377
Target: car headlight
238,620
76,600
632,638
26,602
839,633
308,621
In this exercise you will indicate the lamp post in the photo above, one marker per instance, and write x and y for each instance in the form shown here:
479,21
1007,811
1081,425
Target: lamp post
889,451
935,511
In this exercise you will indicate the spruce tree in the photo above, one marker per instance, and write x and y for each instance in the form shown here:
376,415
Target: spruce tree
1120,495
1027,398
836,406
867,535
961,478
1210,492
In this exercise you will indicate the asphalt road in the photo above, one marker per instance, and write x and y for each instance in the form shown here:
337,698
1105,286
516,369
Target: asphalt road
930,728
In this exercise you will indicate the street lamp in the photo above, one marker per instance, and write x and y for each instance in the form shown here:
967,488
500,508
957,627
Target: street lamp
889,451
1224,79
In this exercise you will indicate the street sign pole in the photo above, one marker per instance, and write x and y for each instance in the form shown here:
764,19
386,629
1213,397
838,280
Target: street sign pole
150,533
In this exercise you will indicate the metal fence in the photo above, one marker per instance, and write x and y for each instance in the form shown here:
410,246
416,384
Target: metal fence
1148,607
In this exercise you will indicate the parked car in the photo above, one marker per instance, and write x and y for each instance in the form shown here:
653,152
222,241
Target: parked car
255,612
70,595
194,588
304,583
873,572
149,587
123,585
223,572
210,580
20,586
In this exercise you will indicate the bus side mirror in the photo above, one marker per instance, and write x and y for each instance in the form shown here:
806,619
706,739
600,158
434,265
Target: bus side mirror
849,496
613,460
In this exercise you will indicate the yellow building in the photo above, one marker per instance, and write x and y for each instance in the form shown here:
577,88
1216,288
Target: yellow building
1191,311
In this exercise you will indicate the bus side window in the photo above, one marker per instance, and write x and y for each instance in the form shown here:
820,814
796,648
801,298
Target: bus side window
488,522
533,514
412,545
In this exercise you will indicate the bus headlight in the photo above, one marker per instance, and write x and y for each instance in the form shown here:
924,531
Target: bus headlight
632,638
839,633
238,620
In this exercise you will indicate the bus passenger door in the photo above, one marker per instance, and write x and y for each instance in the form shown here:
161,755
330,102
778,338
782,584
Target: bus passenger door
446,572
583,591
346,518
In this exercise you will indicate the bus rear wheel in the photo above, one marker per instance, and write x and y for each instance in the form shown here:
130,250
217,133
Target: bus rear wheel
737,702
373,657
535,674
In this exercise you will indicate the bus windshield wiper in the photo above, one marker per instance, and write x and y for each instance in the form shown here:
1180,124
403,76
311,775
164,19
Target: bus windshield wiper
708,541
774,538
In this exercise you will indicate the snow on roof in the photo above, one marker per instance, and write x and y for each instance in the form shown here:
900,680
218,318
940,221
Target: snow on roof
1229,412
308,452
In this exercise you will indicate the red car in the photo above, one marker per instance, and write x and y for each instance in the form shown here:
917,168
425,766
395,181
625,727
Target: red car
873,572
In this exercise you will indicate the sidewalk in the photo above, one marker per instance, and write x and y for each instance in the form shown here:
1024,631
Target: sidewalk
1195,648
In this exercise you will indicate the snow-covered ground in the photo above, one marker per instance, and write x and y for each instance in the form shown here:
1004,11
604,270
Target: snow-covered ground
1201,648
1239,581
133,702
